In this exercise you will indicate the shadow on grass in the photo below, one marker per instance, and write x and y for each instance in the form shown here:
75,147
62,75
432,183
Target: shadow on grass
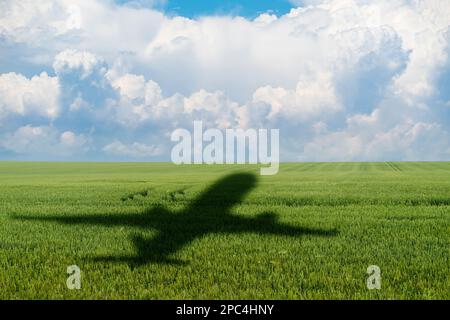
209,213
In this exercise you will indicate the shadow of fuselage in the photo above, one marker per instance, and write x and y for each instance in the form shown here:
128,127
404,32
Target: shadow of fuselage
209,213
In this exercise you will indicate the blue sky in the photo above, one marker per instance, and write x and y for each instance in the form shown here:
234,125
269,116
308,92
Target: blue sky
197,8
343,80
245,8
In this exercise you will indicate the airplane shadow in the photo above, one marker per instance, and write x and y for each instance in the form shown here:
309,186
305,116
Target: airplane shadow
209,213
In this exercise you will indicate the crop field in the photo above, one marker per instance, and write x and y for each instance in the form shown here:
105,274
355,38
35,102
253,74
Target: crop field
160,231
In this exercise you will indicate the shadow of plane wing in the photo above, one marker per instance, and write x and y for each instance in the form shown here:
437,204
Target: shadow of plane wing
156,249
266,223
148,219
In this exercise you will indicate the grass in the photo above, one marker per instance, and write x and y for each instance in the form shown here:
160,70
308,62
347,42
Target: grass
160,231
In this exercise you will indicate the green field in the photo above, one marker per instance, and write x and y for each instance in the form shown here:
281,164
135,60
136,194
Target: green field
160,231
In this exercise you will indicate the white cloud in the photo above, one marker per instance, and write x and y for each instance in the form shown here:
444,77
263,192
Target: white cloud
38,21
95,25
83,62
144,3
44,141
312,97
22,96
84,79
406,141
131,85
153,93
363,121
134,150
70,140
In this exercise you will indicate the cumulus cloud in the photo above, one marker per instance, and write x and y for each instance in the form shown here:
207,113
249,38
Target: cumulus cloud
342,79
80,63
131,86
33,22
134,150
311,97
22,96
407,141
144,3
44,141
84,82
50,26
